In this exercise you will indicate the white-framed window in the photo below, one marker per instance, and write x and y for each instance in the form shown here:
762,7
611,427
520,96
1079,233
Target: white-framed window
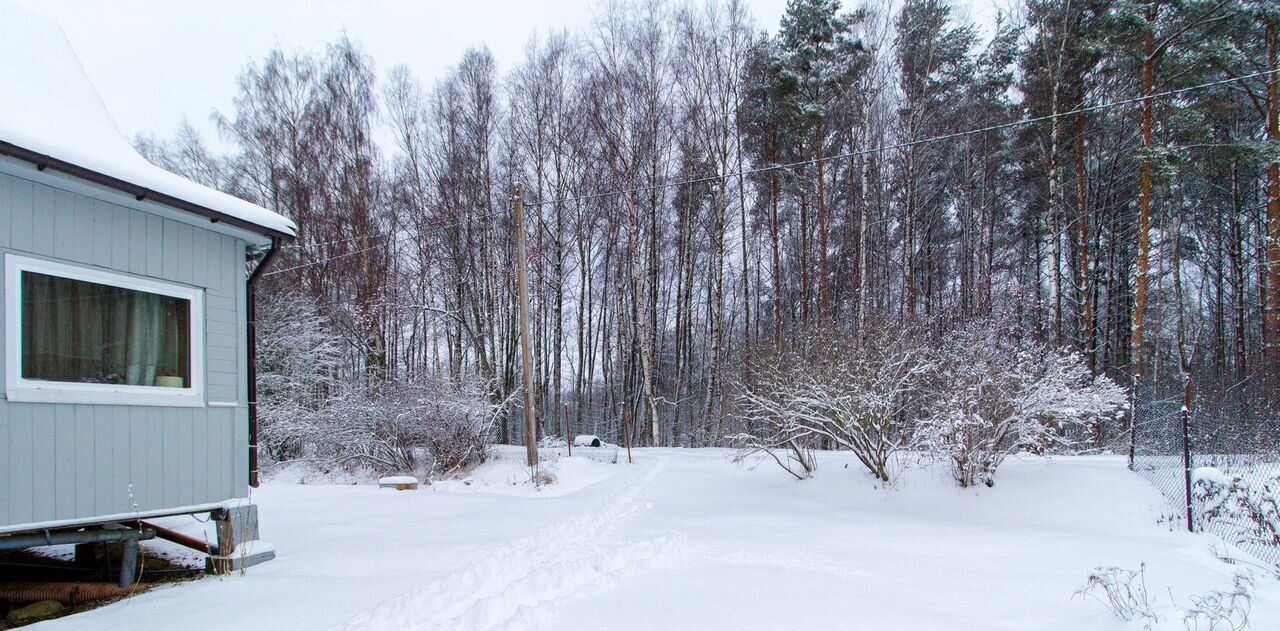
81,335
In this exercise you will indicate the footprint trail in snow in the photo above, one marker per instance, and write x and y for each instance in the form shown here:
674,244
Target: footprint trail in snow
522,584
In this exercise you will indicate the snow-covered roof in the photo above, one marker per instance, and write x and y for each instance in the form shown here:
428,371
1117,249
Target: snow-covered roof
51,109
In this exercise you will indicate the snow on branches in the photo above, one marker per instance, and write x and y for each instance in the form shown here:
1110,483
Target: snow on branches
835,391
310,413
298,357
1252,510
993,394
969,400
390,427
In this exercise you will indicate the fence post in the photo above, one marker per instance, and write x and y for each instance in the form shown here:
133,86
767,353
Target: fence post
1133,423
1186,457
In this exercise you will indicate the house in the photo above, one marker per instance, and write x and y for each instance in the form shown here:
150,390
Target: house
127,380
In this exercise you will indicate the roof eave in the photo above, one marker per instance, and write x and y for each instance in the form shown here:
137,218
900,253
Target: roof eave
139,193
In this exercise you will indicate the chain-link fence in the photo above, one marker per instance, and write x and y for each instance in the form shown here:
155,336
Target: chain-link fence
605,453
1218,467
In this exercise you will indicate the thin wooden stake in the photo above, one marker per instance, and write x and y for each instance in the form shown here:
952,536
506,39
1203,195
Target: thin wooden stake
530,410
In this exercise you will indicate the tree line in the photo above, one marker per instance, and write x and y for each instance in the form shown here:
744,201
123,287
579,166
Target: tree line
701,194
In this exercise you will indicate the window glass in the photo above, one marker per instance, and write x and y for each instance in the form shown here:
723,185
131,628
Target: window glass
83,332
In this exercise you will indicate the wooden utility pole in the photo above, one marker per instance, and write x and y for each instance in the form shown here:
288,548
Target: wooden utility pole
526,352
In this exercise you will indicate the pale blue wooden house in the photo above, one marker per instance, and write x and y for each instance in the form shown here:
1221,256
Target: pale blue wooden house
127,383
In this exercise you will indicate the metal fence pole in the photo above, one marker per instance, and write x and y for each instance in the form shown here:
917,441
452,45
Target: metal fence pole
1186,464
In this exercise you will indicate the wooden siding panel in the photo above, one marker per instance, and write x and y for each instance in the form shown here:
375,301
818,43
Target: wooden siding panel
152,244
64,226
153,488
66,486
21,463
200,455
169,250
184,257
84,237
242,352
222,340
227,366
43,462
172,458
22,196
232,266
117,225
227,353
222,393
42,211
138,233
6,201
5,465
85,459
121,431
222,327
106,497
240,451
223,302
183,420
219,481
140,450
200,264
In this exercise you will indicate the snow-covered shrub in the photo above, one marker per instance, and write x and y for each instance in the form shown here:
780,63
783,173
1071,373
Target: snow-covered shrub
829,389
993,394
388,428
1221,610
1123,592
459,425
1253,510
554,441
297,358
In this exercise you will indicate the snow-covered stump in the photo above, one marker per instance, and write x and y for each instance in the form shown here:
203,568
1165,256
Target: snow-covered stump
399,483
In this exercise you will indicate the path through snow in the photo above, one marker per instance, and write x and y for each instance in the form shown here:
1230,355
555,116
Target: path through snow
522,584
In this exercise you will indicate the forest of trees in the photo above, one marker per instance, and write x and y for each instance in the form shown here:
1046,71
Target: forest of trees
700,194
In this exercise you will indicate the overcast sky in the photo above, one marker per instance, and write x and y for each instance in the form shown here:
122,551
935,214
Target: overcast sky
158,61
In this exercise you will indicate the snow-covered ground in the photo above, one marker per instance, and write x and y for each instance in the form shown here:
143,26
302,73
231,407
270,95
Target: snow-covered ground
683,539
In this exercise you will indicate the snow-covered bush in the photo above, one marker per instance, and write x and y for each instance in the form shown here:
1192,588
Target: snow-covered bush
387,428
297,358
1221,610
1253,510
1123,592
993,394
829,389
459,422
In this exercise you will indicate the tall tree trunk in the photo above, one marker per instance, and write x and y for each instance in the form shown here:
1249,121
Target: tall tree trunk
777,261
716,308
1272,332
1146,173
1085,277
1237,273
641,297
824,306
908,239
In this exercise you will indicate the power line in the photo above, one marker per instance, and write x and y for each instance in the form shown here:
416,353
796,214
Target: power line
911,143
375,247
317,244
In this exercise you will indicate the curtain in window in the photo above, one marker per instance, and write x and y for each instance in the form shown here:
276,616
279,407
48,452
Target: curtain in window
86,332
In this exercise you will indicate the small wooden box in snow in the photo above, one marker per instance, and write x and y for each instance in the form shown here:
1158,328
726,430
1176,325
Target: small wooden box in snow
399,483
